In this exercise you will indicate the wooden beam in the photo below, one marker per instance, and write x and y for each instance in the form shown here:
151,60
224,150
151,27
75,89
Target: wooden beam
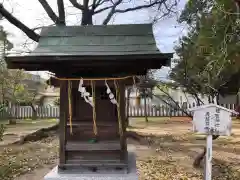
100,146
148,61
99,72
74,164
56,83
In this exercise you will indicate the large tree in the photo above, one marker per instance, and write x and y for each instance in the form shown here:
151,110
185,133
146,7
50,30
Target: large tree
5,75
13,89
88,9
29,92
10,80
209,55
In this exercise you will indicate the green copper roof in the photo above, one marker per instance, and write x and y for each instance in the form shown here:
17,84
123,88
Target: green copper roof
96,40
128,49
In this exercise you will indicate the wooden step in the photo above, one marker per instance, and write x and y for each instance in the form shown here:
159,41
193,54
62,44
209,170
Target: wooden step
80,130
104,161
81,133
82,163
90,123
99,146
93,155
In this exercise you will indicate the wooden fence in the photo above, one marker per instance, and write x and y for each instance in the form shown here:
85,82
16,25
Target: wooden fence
25,112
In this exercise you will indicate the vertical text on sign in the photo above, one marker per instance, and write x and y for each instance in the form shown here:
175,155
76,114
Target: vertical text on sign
207,121
217,121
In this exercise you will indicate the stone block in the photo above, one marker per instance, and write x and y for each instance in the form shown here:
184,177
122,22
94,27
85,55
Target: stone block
83,174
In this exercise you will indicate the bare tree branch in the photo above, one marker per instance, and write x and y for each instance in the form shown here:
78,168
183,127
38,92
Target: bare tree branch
100,2
112,11
49,11
172,100
94,4
97,3
151,4
77,5
61,12
141,7
103,9
175,106
172,106
169,10
30,33
40,27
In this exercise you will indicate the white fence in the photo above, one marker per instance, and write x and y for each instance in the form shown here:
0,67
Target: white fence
25,112
165,111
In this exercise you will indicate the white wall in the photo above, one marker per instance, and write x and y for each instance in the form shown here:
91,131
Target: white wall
179,96
132,101
49,101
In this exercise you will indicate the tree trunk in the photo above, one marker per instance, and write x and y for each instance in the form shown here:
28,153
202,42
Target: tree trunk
87,17
199,159
12,118
145,105
34,117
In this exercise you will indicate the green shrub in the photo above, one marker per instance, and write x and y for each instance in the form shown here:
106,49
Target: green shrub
2,107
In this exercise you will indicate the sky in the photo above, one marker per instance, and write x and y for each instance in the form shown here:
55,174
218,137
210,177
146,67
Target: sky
166,31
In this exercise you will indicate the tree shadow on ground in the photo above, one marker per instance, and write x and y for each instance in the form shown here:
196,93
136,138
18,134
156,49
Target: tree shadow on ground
224,170
173,145
183,143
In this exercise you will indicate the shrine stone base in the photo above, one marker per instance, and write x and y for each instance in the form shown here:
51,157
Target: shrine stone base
132,174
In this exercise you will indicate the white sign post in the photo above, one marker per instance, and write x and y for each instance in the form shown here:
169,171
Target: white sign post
211,120
208,165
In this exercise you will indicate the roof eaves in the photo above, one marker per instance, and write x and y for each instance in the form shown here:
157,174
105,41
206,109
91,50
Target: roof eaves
211,105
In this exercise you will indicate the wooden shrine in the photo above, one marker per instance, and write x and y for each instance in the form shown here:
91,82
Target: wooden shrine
100,60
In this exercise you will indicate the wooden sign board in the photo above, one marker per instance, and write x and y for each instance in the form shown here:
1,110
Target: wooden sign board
212,119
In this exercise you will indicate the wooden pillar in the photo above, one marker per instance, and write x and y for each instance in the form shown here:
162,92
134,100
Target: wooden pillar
238,104
123,143
238,99
63,122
